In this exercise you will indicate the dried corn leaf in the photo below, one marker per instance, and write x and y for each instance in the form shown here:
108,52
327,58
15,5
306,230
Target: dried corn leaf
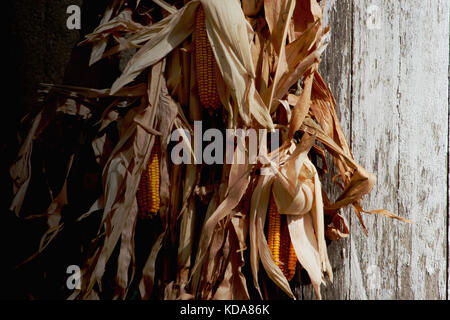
164,37
100,46
21,169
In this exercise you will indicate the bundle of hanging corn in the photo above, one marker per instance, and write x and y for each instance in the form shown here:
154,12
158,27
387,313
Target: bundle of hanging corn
193,230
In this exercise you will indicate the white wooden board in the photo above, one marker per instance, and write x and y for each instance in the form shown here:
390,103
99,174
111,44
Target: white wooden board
388,66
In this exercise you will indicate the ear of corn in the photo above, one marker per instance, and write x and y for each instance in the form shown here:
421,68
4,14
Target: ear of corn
206,68
279,241
292,262
148,191
273,233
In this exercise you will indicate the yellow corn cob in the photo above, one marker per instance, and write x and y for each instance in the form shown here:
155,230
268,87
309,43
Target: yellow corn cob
280,243
292,262
148,190
205,64
274,231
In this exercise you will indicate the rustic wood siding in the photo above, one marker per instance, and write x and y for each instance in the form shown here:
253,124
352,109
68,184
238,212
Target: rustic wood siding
387,65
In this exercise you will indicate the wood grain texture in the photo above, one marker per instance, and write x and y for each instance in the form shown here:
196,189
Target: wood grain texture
399,124
375,138
423,110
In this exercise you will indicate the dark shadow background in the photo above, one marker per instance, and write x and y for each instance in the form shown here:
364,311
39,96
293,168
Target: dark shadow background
39,49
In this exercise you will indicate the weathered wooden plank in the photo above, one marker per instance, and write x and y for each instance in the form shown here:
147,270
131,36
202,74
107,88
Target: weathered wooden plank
336,70
375,139
423,132
400,130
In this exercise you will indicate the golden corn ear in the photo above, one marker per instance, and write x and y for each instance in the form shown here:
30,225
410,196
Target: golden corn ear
206,68
279,242
148,191
273,232
292,262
